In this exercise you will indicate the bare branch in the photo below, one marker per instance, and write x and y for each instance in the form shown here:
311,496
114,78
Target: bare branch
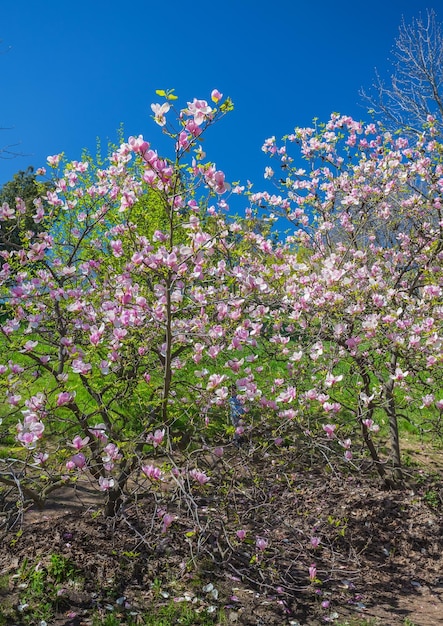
8,152
415,88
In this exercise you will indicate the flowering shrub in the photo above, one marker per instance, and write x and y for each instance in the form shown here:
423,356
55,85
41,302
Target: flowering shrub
118,328
142,302
364,287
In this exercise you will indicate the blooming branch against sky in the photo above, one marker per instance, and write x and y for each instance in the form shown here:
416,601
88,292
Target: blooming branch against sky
69,76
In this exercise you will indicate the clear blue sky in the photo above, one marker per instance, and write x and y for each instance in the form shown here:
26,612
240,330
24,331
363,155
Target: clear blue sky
74,71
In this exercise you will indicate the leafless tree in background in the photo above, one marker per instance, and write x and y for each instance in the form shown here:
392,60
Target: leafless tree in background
415,89
7,152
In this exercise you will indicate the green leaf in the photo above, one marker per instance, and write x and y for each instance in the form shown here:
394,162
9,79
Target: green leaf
227,106
161,92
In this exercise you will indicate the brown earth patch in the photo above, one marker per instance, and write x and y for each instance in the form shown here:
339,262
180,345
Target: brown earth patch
380,554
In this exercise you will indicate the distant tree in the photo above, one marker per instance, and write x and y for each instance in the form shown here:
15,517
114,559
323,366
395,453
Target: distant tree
23,186
415,88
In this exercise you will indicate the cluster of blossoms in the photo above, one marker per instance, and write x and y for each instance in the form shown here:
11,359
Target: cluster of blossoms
32,428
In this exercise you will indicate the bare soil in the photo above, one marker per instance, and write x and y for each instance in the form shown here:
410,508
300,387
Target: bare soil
380,554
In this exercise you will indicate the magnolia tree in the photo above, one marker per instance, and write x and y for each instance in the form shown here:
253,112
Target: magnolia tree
138,306
121,325
363,297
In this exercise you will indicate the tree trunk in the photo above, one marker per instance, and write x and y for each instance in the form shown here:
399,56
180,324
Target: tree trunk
391,412
393,432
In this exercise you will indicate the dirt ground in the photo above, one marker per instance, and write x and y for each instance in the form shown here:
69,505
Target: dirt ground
380,553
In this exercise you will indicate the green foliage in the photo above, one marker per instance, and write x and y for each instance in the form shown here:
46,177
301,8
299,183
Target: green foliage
227,106
149,214
168,94
340,525
171,614
432,498
61,568
181,613
44,587
362,621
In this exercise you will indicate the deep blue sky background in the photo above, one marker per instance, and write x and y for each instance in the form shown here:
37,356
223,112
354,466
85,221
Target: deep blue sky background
74,71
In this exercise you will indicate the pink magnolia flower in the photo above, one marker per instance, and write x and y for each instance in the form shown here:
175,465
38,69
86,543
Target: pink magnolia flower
219,184
167,521
199,476
54,160
13,399
399,375
312,572
111,453
152,472
195,130
370,425
333,407
353,343
96,334
36,402
78,443
106,483
156,438
41,457
288,413
215,380
30,430
216,96
346,444
316,351
160,111
117,248
234,364
315,542
138,144
79,367
241,534
331,379
29,346
64,398
80,166
99,431
329,430
104,367
183,140
79,460
287,396
427,401
200,110
261,544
